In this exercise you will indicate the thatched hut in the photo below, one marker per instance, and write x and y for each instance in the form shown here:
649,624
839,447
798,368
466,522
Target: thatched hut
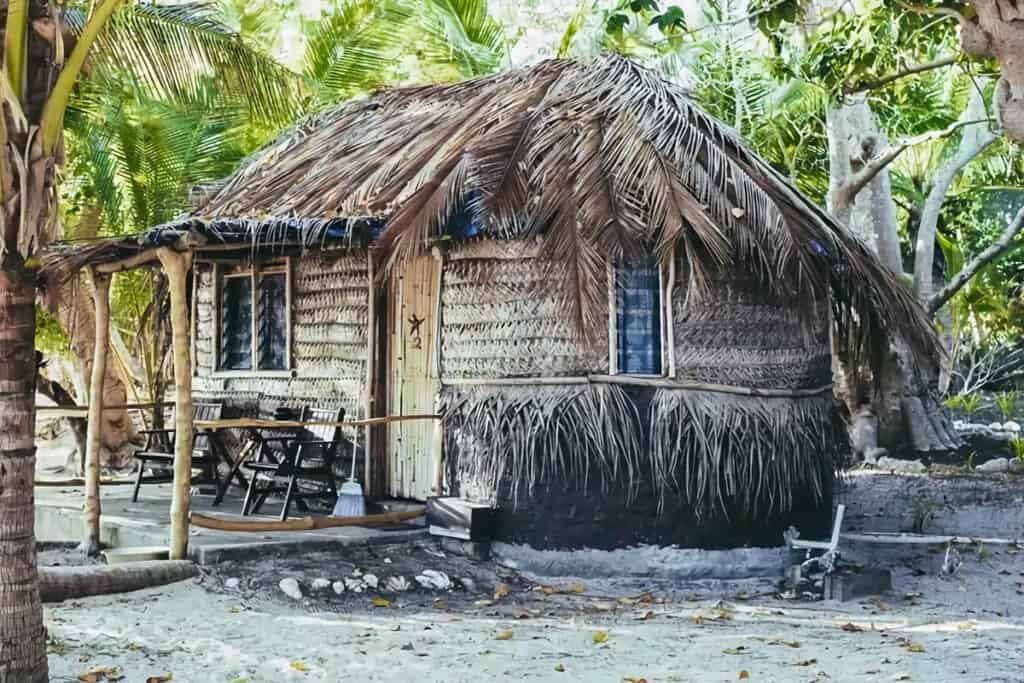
626,318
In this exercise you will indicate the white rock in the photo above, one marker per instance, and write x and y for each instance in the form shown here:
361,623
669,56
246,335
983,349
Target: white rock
339,587
903,466
1011,426
387,560
872,455
371,581
320,585
232,583
468,583
1017,466
433,579
357,572
290,587
397,584
355,585
995,465
998,426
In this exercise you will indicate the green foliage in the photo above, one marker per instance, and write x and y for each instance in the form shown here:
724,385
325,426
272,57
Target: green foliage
954,402
971,404
50,337
1017,444
1007,403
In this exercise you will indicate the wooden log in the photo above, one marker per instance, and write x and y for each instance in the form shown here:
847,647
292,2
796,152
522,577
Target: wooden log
79,481
94,425
303,523
176,265
69,583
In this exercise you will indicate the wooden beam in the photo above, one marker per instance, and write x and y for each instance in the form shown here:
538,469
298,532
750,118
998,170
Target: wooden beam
94,426
303,523
371,368
131,263
177,265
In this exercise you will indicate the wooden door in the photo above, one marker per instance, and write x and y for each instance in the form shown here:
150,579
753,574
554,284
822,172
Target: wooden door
413,377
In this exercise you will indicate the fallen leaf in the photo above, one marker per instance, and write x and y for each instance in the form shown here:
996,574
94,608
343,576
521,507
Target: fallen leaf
965,626
160,679
744,675
483,603
601,636
579,588
503,635
501,591
634,680
299,665
791,643
852,628
381,602
645,616
698,619
739,650
807,662
559,668
100,673
901,677
913,647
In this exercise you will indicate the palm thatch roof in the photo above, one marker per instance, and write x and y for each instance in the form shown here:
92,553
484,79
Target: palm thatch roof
604,159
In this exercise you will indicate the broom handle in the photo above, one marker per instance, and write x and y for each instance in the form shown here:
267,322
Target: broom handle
355,446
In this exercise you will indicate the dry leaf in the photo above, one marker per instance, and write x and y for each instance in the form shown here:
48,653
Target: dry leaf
913,647
160,679
381,602
634,680
299,665
738,650
807,662
100,673
965,626
601,636
852,628
579,588
559,668
503,635
901,677
483,603
791,643
548,590
501,591
744,675
698,619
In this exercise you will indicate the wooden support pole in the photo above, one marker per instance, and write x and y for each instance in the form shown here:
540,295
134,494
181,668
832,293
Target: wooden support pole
177,265
94,427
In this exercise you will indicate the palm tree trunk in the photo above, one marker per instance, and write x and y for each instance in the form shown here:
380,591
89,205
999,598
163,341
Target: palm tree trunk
22,635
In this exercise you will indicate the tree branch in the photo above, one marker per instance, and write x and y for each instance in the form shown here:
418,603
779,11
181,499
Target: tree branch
871,84
993,252
53,111
861,178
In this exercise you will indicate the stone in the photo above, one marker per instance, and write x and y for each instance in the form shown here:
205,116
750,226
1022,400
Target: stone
355,585
994,465
435,580
338,587
1017,466
468,584
1011,426
901,466
371,581
872,455
320,585
997,426
397,584
290,587
232,583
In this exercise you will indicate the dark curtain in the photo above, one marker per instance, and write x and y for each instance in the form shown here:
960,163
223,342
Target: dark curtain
638,318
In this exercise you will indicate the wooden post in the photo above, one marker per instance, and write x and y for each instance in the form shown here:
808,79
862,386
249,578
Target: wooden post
176,265
94,426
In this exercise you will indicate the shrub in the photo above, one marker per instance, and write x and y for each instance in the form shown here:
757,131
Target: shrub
1007,402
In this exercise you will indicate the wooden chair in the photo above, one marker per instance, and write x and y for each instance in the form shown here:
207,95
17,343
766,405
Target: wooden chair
158,453
307,457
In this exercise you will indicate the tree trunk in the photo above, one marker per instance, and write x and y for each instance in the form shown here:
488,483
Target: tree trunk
91,521
22,635
176,266
68,583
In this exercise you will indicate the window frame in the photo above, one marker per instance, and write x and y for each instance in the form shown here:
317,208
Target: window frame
666,282
253,270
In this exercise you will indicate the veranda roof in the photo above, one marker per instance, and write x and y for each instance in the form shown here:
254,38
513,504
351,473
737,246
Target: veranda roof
603,159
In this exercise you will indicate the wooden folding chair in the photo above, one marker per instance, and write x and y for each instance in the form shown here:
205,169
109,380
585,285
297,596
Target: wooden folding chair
158,453
307,457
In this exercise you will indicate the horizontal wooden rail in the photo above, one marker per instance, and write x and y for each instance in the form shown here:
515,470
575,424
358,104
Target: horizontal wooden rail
630,380
302,523
79,481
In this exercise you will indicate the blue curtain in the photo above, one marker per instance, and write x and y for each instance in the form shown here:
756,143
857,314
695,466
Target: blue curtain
236,324
638,318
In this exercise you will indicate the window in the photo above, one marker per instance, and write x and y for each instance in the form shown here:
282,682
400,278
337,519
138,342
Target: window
638,318
254,319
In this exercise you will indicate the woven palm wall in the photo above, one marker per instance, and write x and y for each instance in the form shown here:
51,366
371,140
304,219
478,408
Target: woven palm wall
503,316
329,319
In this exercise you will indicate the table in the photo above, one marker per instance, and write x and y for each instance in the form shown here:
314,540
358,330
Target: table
253,427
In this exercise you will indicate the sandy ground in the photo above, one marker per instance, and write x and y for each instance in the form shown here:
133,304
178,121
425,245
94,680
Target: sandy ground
968,627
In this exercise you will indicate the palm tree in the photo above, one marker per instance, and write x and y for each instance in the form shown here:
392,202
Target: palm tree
46,49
